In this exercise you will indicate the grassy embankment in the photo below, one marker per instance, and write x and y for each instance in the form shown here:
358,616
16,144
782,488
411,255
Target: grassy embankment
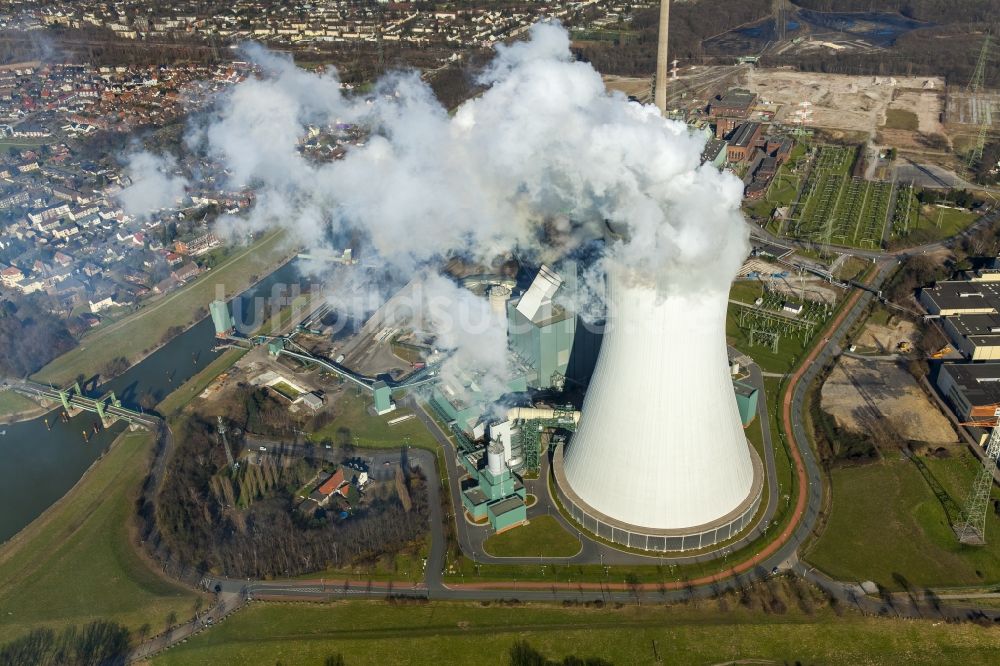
12,404
77,563
891,523
436,633
139,333
542,537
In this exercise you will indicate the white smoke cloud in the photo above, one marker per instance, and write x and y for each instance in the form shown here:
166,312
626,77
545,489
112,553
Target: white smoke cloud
154,183
544,155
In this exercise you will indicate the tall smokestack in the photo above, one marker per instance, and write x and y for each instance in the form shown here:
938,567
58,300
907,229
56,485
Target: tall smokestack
661,57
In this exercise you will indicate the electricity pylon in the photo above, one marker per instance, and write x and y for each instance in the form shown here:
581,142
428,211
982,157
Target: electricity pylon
972,530
980,144
979,75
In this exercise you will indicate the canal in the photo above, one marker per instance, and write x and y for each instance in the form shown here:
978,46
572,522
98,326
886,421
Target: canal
40,462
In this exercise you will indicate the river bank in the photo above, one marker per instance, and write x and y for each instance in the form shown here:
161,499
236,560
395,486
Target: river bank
143,333
79,561
42,461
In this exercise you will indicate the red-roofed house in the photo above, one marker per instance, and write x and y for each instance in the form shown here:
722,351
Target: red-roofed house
334,483
11,276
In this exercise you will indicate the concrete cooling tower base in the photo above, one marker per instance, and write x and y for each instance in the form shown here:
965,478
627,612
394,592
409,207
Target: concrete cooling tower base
662,540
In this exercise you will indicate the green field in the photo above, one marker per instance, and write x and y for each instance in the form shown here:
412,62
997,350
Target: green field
12,403
452,633
916,224
76,563
353,424
542,537
892,519
141,332
287,390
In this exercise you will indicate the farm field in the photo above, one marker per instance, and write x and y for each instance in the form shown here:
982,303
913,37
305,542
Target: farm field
372,632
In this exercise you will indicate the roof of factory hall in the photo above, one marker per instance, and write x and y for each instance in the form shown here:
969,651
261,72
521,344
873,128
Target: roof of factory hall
962,296
737,98
976,324
506,505
745,134
980,382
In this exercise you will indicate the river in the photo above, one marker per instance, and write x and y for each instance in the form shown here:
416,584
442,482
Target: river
39,465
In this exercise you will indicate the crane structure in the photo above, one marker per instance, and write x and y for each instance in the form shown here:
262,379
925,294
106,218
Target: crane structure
972,530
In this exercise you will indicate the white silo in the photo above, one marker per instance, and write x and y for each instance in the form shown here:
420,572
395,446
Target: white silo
660,460
495,458
499,295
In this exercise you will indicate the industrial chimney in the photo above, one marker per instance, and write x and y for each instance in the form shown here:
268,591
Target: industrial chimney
660,82
660,460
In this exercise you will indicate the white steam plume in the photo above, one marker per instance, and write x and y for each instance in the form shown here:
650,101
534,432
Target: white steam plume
154,184
544,144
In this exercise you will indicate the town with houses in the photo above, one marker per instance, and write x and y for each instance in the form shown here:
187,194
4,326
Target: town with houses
280,23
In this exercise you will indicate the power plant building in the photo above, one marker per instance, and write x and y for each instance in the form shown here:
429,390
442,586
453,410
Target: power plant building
659,460
541,332
495,493
221,318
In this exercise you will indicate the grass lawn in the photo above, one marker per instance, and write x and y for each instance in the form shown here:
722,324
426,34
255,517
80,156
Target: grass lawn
353,422
286,389
931,224
13,403
892,519
142,331
901,119
454,633
76,562
746,291
542,537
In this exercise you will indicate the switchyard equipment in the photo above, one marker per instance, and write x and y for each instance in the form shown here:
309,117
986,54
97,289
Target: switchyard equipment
766,328
659,460
972,530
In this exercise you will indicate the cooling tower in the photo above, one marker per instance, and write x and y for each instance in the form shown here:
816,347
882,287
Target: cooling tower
660,460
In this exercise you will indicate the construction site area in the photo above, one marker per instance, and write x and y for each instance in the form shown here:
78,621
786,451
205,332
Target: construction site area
860,391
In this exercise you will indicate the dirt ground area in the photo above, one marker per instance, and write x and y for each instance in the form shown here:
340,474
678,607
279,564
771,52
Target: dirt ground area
926,105
851,103
856,385
638,87
887,338
810,289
